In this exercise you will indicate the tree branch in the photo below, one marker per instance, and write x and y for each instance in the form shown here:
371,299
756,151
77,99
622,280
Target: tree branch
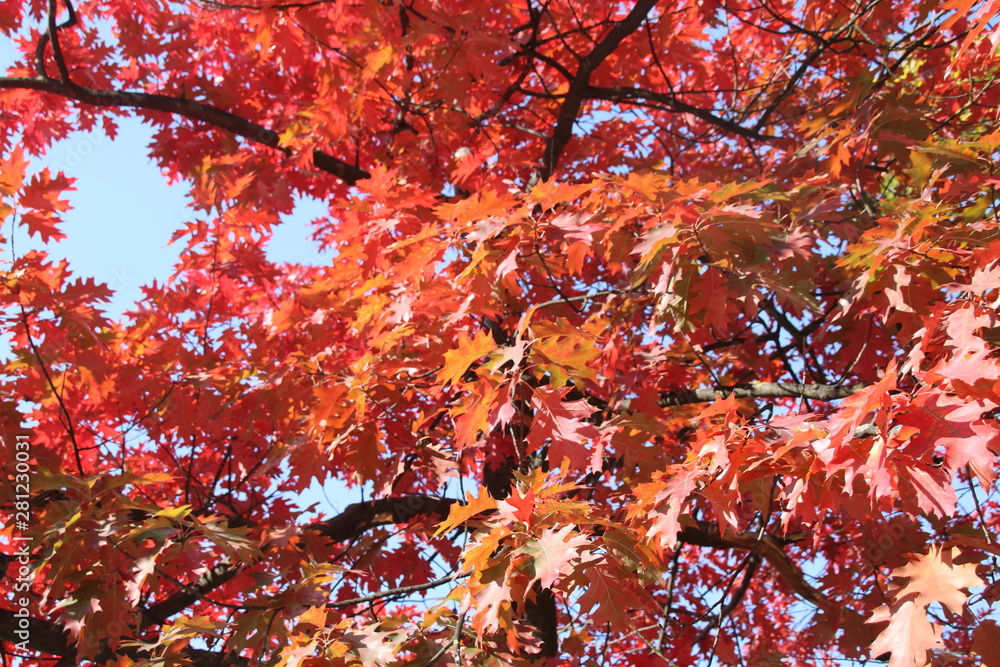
48,637
372,597
359,517
670,100
53,35
705,534
347,525
580,84
186,108
39,635
817,392
183,598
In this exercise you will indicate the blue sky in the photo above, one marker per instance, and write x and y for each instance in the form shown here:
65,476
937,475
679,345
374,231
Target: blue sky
124,212
123,215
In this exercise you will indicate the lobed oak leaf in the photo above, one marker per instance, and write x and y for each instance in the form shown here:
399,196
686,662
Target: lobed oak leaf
552,554
144,566
489,602
298,653
971,361
314,616
936,578
41,225
459,513
957,426
517,506
374,648
378,59
508,263
477,408
13,167
909,636
577,226
468,352
608,596
561,423
929,488
42,192
571,356
553,192
679,483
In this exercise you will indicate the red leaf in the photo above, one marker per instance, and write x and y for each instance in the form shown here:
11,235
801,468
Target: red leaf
561,423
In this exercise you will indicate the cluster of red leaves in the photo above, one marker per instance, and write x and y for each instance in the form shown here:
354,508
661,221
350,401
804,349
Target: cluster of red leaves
654,334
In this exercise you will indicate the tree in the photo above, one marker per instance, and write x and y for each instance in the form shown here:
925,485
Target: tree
656,333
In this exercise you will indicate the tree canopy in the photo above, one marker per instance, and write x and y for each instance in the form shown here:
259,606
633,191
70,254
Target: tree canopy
654,333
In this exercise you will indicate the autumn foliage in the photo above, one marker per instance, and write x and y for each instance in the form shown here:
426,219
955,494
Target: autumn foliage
655,333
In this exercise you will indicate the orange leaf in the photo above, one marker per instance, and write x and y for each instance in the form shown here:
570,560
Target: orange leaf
469,351
462,512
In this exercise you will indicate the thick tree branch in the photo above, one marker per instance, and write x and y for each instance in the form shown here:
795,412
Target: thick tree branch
362,516
705,534
359,517
580,84
158,613
48,637
347,525
186,108
817,392
620,94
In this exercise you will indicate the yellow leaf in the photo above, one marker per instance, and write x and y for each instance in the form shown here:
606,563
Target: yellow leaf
175,513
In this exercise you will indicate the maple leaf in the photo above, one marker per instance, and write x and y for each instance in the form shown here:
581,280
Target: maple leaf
552,554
